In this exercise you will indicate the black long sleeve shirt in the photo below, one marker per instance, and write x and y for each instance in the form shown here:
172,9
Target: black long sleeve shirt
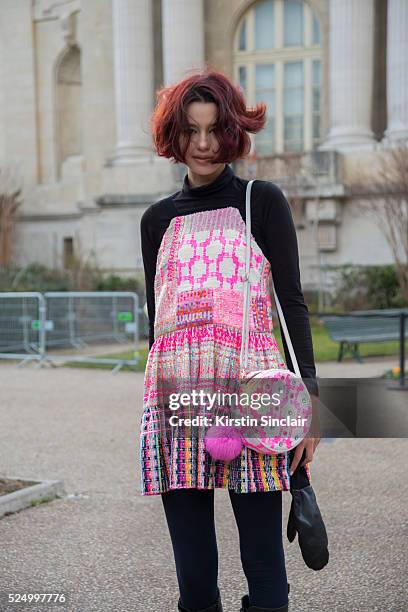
274,231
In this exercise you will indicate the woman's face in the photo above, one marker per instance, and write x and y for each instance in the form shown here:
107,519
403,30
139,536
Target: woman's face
203,146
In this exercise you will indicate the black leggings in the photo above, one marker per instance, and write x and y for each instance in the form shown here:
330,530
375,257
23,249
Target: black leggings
190,518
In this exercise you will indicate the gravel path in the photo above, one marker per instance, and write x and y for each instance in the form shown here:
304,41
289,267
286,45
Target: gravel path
107,546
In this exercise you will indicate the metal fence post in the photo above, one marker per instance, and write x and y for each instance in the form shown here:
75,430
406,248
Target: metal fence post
42,331
402,350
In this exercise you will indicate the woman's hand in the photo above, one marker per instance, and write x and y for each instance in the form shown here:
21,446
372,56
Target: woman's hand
311,440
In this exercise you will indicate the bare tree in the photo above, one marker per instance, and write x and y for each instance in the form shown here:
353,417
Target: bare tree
388,205
83,269
9,203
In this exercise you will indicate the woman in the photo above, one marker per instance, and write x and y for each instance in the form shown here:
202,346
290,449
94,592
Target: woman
193,247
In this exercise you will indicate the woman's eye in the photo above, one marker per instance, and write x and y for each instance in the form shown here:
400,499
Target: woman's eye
192,130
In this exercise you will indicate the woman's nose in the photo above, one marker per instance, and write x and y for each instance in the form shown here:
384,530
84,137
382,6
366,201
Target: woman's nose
203,142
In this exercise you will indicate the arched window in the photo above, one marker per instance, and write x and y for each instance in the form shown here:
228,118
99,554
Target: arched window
277,60
68,106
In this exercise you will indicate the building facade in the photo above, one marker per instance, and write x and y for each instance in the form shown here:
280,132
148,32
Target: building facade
77,87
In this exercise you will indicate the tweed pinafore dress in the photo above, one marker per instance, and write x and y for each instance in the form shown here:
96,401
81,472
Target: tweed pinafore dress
197,329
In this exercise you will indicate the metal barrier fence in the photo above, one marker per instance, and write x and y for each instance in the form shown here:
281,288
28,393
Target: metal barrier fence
18,311
32,324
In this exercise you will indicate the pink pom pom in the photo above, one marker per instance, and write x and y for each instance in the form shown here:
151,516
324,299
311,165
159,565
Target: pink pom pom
223,442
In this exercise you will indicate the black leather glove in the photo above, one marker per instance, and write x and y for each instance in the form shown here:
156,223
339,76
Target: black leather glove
306,520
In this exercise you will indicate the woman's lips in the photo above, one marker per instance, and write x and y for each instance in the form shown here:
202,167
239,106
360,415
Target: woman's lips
202,161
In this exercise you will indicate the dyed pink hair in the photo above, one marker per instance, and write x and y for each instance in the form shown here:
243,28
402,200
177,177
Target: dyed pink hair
169,118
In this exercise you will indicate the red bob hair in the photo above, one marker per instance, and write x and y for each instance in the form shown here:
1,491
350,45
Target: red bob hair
169,119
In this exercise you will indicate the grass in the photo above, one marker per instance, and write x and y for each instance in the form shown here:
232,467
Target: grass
327,350
324,350
38,502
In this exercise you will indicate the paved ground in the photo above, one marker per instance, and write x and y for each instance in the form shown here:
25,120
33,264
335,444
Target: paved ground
371,367
108,547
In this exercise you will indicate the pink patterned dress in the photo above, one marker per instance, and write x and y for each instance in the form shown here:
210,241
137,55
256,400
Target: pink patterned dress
199,307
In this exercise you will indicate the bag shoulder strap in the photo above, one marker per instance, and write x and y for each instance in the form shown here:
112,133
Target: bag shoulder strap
247,294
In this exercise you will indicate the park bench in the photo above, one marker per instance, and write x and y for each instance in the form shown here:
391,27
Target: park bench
356,328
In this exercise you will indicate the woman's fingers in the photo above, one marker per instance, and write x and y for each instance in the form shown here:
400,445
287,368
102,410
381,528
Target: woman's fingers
297,457
311,445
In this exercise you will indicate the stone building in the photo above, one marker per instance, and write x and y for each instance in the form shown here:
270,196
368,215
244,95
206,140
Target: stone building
77,86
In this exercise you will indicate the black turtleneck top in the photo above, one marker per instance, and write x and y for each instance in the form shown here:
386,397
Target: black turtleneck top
274,231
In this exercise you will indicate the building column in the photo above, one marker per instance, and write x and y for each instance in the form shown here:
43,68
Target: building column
18,97
183,38
397,71
351,74
133,67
